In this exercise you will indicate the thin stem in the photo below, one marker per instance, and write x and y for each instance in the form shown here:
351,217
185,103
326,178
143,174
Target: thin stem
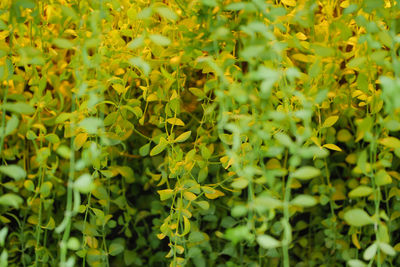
286,216
68,212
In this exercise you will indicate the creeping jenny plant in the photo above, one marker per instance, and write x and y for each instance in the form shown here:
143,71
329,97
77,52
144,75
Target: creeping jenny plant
199,133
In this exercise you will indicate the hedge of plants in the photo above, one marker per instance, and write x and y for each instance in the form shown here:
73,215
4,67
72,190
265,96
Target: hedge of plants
199,133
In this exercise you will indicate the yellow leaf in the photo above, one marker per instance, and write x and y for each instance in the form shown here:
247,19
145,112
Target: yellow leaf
295,184
152,97
332,147
345,4
119,88
165,194
301,36
79,140
344,136
289,2
316,140
208,190
160,236
391,142
214,195
186,213
226,161
50,225
186,226
33,219
179,249
175,121
330,121
183,137
92,242
303,58
189,196
355,241
160,147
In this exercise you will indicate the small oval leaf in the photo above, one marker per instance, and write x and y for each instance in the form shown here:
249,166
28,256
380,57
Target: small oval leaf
357,217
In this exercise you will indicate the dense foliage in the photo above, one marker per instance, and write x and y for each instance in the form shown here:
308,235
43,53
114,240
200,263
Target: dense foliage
199,133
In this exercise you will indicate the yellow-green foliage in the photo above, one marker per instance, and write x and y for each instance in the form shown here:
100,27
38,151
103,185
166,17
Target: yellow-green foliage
199,133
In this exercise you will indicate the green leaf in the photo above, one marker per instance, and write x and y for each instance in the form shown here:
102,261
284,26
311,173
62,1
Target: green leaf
195,237
19,107
186,226
362,161
387,249
63,43
64,151
263,203
52,138
356,62
267,241
84,183
357,217
144,150
284,139
144,13
167,13
356,263
69,12
136,43
238,233
323,51
391,142
203,204
306,172
370,252
25,3
14,171
11,200
165,194
360,191
30,135
304,201
197,92
135,110
29,185
4,258
45,188
127,173
160,147
3,235
115,248
382,178
3,25
159,39
73,243
12,124
131,257
98,213
63,117
210,3
330,121
175,121
91,124
240,183
183,137
141,64
238,211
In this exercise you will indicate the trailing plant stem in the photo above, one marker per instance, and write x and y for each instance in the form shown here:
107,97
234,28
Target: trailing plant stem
286,217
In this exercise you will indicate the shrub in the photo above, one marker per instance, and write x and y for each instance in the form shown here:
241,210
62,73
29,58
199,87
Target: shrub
199,133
